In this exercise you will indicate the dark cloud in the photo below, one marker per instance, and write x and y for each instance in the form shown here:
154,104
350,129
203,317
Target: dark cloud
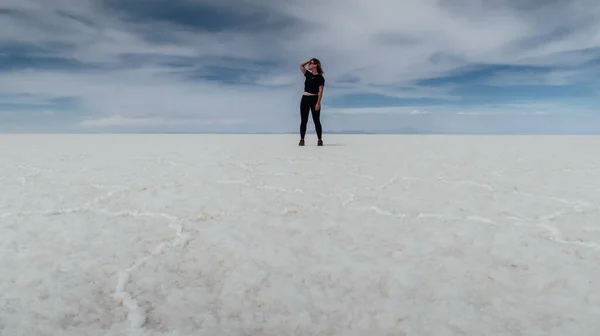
197,16
16,61
64,13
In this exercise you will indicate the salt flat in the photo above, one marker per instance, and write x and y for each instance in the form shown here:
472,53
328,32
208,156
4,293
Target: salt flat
253,235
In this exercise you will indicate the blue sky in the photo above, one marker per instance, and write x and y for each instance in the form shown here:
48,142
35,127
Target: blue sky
464,66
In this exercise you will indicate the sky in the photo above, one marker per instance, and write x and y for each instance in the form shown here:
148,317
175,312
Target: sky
425,66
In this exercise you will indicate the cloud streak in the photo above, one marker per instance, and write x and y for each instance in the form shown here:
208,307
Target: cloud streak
232,66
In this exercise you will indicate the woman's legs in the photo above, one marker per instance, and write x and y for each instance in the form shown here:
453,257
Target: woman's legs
307,104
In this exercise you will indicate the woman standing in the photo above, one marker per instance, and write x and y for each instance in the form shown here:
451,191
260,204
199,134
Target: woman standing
314,83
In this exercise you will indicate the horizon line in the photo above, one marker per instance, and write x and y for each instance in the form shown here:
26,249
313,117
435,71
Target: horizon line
295,133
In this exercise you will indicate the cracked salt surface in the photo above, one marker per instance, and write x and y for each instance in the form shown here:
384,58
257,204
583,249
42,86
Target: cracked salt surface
252,235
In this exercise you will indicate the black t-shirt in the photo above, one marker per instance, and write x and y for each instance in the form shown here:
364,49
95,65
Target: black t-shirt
312,82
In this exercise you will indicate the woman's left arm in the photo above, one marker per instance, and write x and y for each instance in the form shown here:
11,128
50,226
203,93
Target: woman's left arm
318,106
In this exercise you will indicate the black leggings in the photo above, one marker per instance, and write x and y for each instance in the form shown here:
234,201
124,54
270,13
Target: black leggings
307,104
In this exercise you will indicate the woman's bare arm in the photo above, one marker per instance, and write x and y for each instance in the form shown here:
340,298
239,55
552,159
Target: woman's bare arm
302,66
320,96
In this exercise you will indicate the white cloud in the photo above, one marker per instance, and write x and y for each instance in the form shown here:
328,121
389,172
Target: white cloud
117,120
567,75
508,109
385,45
390,110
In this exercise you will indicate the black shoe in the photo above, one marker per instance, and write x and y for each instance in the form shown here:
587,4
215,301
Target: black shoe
320,142
301,143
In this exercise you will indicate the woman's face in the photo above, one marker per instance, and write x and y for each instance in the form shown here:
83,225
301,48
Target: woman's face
312,64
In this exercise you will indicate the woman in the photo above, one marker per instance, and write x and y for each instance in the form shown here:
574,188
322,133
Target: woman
311,99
